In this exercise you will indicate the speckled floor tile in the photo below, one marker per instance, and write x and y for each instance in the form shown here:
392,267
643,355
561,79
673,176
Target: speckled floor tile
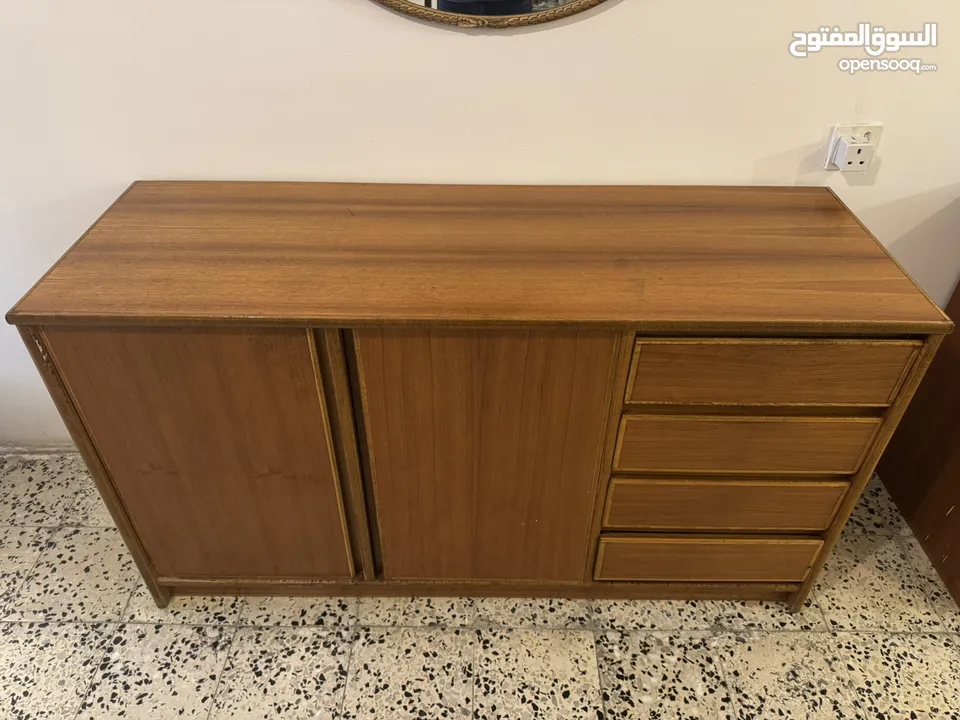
299,611
84,574
931,583
290,673
662,675
649,615
10,583
182,610
159,672
20,548
45,669
537,675
411,673
524,659
39,490
88,509
867,584
747,615
534,612
788,675
416,612
876,513
904,676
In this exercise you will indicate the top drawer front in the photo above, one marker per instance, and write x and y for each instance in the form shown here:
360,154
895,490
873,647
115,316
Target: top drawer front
767,371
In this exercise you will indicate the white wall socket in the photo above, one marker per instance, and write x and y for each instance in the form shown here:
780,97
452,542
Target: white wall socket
853,147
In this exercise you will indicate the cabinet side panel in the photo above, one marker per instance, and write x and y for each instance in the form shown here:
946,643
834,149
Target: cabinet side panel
218,444
921,465
485,446
36,346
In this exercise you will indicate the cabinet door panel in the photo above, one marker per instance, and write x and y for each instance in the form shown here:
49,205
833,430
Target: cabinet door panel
218,444
485,447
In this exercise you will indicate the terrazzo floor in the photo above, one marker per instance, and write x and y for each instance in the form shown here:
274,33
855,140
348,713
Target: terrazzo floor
80,638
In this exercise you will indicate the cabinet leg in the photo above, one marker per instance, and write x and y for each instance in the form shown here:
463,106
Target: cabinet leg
796,600
161,595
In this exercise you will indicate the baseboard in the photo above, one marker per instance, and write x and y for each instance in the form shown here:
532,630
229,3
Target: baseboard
38,450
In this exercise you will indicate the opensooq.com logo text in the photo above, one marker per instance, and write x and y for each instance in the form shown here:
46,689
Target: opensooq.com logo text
875,41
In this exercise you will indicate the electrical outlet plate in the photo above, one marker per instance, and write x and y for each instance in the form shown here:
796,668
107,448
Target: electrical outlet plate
866,131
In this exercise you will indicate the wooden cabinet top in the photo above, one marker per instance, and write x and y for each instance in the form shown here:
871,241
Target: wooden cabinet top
669,259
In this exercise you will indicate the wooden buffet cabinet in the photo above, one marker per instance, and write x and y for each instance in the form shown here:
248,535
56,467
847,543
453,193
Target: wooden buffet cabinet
296,388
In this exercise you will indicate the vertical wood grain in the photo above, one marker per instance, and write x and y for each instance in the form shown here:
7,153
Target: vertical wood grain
921,465
484,447
617,383
342,425
329,444
34,339
218,444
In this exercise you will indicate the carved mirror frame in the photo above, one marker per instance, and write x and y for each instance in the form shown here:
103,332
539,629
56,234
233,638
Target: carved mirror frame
490,21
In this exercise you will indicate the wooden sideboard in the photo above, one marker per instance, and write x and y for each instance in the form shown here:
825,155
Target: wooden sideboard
306,388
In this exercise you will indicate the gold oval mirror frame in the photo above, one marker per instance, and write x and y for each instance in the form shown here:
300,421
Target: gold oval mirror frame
425,10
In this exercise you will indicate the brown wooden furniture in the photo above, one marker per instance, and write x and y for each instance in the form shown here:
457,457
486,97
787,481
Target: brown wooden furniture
402,389
921,466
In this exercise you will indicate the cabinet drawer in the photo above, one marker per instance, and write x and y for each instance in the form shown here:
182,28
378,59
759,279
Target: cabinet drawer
705,559
743,444
760,371
762,505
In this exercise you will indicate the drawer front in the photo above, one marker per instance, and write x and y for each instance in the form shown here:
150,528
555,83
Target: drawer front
705,559
761,505
743,444
757,372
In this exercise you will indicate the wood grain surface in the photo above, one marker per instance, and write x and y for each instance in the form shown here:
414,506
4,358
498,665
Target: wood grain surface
706,559
37,347
768,505
743,444
921,465
217,443
484,449
769,371
654,258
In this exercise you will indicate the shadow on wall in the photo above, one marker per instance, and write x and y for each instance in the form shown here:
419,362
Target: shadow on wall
923,233
801,165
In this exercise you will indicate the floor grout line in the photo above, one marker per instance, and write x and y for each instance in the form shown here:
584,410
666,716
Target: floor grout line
596,656
107,641
925,585
29,574
338,711
227,656
477,624
126,605
475,670
819,606
732,691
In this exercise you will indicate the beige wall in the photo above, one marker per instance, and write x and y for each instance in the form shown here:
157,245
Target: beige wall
98,93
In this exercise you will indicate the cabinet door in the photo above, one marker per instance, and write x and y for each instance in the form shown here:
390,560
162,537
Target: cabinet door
218,444
484,448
